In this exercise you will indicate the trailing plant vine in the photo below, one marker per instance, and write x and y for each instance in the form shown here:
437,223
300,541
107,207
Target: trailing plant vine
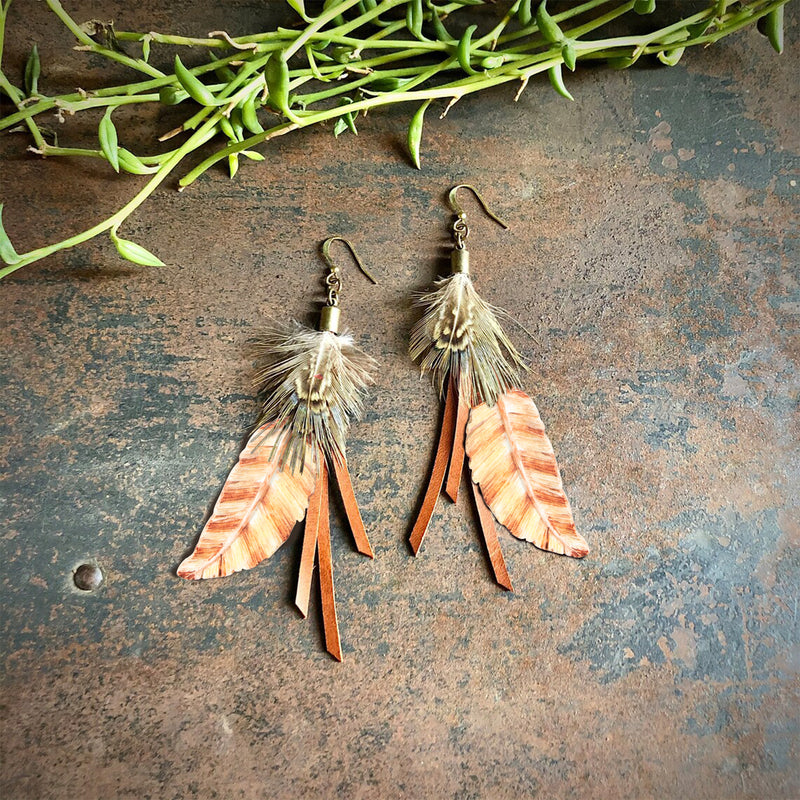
348,58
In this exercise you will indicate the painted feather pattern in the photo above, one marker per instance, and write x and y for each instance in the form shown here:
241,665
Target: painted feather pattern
459,336
256,511
512,461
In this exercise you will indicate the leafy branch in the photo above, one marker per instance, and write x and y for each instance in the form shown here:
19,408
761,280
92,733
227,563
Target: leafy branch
352,57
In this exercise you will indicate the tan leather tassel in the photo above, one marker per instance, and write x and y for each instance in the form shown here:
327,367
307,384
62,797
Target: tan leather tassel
489,531
437,473
309,553
351,507
329,621
457,455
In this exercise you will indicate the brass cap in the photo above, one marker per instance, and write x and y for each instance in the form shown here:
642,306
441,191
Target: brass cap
329,319
459,261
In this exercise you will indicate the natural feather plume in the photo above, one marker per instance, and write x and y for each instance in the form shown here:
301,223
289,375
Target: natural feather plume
313,382
459,334
513,462
260,503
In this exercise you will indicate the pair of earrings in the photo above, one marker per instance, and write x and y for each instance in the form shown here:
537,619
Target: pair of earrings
313,384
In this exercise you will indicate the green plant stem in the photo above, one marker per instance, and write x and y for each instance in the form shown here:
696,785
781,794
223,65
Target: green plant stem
426,70
455,90
87,41
16,98
570,13
325,17
115,220
47,150
111,93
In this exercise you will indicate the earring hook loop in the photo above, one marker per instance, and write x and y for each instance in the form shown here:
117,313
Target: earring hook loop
334,268
452,198
329,317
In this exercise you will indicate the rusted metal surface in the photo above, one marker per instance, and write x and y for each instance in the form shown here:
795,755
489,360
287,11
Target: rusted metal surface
652,257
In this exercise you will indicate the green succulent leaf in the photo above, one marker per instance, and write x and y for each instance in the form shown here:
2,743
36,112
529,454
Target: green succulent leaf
170,96
463,50
227,129
698,29
492,62
223,72
771,26
557,81
342,55
525,13
338,19
277,76
193,86
547,25
131,251
107,134
569,55
415,133
300,7
249,115
133,164
438,26
414,19
340,126
671,57
33,69
621,63
387,84
7,252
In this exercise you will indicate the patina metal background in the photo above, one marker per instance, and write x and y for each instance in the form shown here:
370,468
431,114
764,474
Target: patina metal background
653,258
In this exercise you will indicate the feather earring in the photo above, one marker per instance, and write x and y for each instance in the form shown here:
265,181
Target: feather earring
313,384
476,368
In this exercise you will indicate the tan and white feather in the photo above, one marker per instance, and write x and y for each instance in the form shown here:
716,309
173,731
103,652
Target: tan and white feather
459,334
313,382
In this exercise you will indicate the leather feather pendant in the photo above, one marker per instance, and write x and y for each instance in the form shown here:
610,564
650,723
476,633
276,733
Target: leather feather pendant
256,510
475,367
313,384
513,462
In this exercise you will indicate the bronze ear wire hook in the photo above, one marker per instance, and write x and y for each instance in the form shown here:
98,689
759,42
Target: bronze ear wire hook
329,316
460,227
459,257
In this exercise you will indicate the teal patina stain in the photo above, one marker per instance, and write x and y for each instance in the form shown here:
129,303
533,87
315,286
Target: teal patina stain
705,591
697,109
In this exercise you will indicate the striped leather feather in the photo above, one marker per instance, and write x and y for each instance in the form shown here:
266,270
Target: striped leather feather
260,503
512,461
